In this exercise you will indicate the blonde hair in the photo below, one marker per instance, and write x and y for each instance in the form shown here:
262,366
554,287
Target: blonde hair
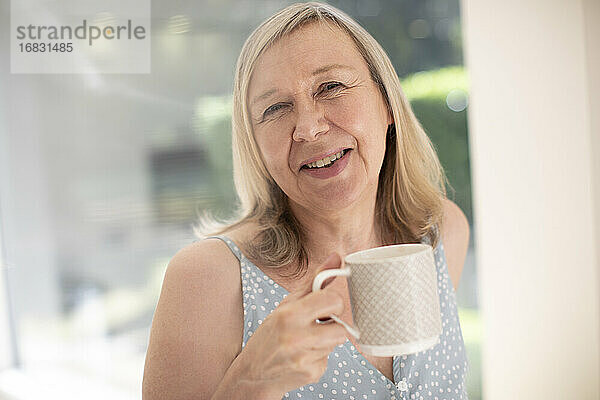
411,182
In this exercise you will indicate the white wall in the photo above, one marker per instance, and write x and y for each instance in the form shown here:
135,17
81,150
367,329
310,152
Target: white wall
535,150
591,11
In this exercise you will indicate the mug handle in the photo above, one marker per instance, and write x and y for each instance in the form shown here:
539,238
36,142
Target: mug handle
318,282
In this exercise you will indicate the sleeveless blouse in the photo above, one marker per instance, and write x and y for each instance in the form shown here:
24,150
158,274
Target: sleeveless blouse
434,374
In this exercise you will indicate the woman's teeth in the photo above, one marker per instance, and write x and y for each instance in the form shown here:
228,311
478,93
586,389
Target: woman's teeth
325,162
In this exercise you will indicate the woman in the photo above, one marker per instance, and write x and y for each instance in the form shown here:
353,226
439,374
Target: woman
328,159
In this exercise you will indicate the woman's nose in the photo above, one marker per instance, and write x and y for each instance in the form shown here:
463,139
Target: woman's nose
310,121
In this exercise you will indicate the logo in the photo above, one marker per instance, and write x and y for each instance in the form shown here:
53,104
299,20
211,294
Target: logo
93,32
80,36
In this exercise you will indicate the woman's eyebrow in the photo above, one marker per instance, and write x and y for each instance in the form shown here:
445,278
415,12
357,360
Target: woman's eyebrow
326,68
263,96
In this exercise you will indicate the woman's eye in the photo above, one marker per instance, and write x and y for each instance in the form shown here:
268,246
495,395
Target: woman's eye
273,108
330,86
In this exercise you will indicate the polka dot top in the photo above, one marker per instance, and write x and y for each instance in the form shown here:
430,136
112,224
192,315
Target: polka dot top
434,374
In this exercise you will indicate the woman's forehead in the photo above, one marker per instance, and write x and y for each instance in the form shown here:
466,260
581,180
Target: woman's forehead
303,53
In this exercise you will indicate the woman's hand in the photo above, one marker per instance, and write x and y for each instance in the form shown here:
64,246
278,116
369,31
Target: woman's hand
289,349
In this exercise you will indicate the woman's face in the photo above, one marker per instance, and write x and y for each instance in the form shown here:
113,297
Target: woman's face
311,96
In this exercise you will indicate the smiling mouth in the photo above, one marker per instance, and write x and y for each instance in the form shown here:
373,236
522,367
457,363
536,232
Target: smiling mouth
315,165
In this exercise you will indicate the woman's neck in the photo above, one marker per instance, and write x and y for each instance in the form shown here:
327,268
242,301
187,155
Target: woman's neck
341,231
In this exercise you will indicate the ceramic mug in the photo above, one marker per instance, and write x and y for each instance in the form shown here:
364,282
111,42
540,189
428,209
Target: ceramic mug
394,298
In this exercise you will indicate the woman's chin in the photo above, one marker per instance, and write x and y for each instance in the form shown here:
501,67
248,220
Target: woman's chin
331,195
332,201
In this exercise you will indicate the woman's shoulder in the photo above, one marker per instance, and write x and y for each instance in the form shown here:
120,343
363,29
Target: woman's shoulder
204,272
210,255
455,234
202,256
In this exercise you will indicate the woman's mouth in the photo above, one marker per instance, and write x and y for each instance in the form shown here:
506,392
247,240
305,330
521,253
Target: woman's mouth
329,170
326,162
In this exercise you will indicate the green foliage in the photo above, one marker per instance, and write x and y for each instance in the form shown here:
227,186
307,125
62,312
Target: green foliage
212,122
470,322
435,84
427,92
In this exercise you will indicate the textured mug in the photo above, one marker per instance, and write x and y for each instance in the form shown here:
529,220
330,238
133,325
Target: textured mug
394,298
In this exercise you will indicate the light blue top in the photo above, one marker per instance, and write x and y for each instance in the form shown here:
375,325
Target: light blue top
438,373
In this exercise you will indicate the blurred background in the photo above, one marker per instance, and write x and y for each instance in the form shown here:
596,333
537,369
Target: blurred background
103,175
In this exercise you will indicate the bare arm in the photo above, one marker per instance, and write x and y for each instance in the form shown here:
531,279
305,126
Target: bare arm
197,327
195,342
234,388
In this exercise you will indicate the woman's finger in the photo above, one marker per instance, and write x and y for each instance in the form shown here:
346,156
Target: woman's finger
325,337
320,304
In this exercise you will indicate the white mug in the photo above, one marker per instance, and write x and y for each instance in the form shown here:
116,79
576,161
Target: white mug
394,298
